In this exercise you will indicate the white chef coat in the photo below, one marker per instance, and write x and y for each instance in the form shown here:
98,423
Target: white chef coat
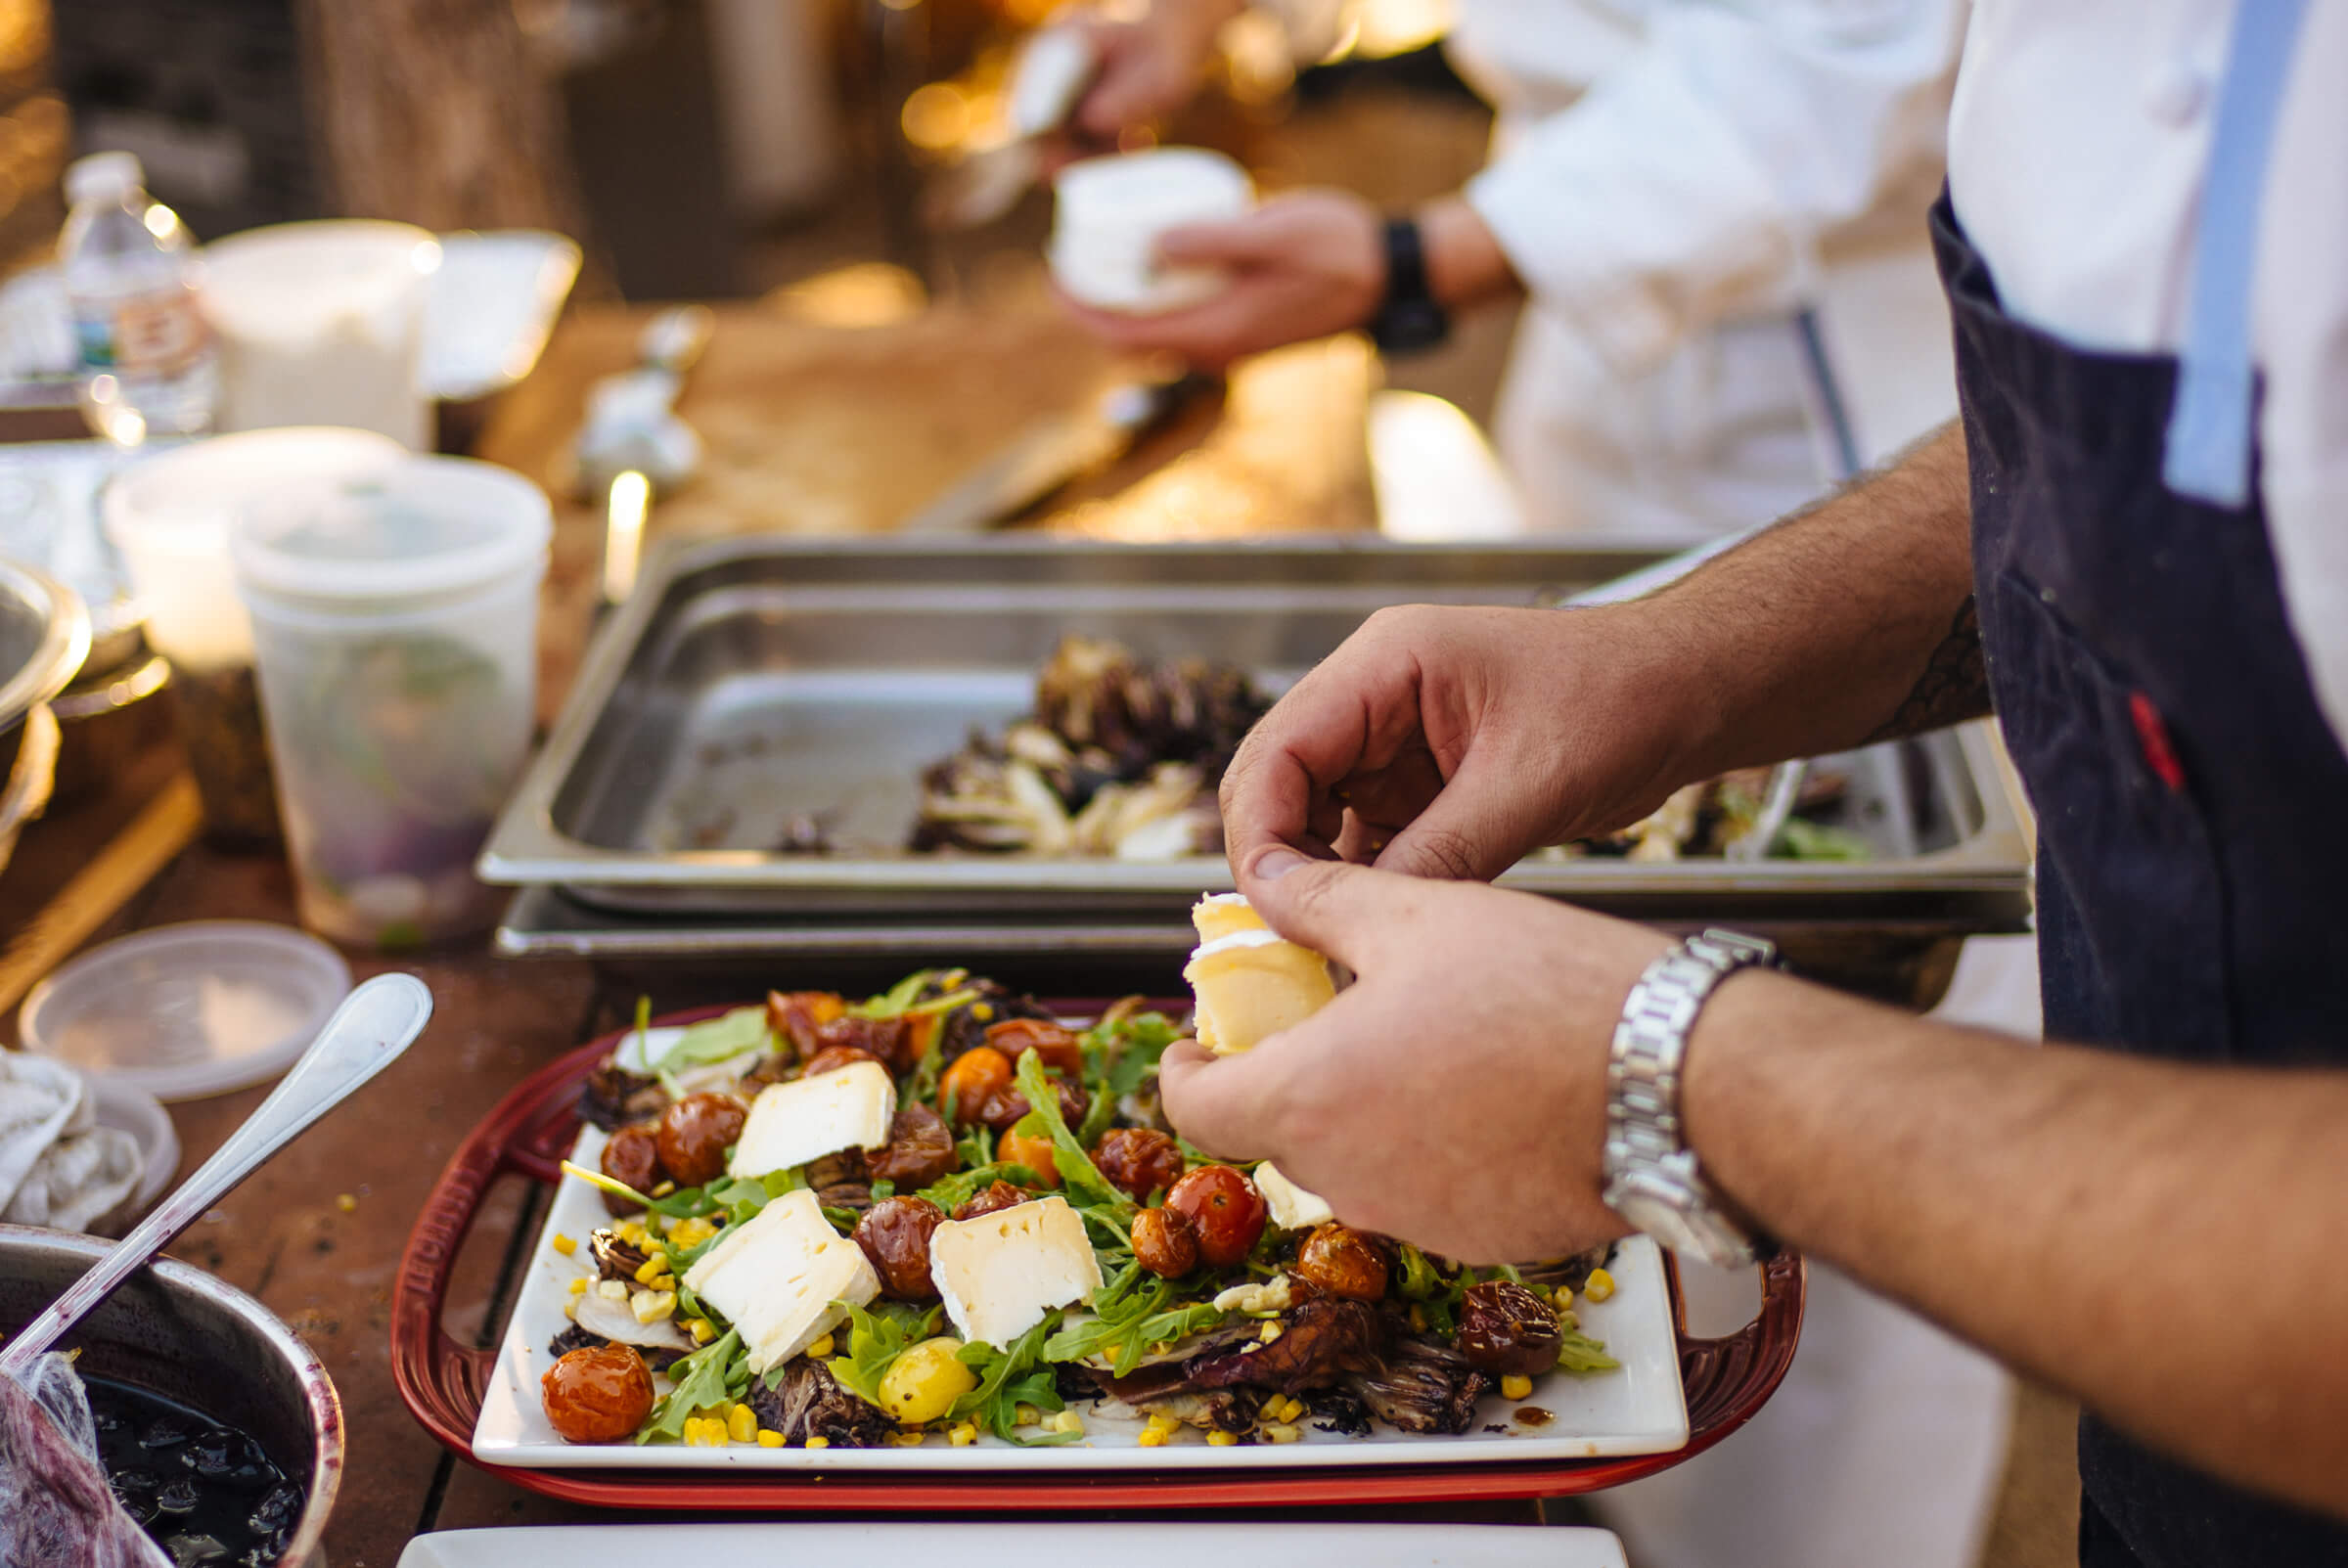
1674,180
2077,143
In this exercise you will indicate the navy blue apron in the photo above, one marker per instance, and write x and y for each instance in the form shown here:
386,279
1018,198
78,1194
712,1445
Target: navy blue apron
2192,838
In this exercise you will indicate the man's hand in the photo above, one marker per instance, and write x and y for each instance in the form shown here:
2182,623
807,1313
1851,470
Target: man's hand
1454,1094
1448,742
1149,67
1302,265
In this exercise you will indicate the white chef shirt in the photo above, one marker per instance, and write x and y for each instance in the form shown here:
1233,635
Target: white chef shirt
2077,142
1663,165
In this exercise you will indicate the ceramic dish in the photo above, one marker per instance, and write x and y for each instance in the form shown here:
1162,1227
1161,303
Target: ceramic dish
1636,1408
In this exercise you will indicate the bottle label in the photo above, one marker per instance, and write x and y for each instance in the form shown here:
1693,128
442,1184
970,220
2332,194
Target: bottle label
156,335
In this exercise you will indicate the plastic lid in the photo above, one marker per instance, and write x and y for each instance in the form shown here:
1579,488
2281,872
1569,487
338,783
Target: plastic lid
298,281
183,1012
419,526
104,177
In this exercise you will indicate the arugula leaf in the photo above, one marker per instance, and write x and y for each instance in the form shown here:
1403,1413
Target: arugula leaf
715,1040
716,1374
875,1340
903,1000
950,1193
1085,1182
1802,840
1437,1293
994,1402
1130,1048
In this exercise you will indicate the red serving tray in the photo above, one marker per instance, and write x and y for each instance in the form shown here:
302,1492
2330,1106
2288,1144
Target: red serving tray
532,1130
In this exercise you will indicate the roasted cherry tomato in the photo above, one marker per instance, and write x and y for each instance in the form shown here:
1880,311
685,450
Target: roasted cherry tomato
1343,1262
599,1394
632,1155
998,1196
979,1078
1142,1160
831,1058
886,1038
1164,1244
695,1134
895,1234
1226,1210
1035,1153
920,1149
796,1016
1507,1330
1060,1049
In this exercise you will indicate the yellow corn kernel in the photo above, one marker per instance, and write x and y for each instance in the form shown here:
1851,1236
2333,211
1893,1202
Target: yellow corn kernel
742,1424
690,1232
346,1203
1600,1285
1025,1415
1270,1409
664,1189
1067,1421
701,1330
770,1440
1222,1440
664,1281
1515,1388
1291,1409
820,1349
578,1286
962,1434
983,1011
565,1244
651,1269
907,1440
651,1306
1269,1332
1151,1438
1281,1432
631,1232
612,1289
922,1385
818,1442
1163,1422
1417,1318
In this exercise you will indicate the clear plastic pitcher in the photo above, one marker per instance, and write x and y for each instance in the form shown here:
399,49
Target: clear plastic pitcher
394,619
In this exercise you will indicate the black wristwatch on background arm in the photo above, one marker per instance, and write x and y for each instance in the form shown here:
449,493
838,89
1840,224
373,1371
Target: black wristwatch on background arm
1408,318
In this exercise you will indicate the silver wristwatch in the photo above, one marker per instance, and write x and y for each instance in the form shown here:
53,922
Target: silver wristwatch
1651,1176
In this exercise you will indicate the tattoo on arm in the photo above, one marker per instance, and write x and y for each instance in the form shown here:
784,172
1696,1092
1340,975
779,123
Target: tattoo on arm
1955,684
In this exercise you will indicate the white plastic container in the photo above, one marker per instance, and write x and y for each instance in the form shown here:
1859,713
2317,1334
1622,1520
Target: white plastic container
169,517
322,324
148,366
394,619
1109,213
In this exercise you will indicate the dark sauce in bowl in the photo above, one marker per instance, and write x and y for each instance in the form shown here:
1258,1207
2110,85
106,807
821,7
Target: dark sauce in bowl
206,1493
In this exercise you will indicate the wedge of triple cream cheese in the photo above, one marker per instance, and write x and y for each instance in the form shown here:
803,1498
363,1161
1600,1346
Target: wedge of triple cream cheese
1000,1273
808,1118
777,1276
1253,984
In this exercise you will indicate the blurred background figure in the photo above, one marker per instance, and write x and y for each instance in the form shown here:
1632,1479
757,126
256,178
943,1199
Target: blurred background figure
1716,210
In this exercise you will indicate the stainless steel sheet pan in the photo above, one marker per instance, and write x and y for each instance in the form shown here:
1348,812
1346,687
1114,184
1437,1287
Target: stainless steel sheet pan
751,682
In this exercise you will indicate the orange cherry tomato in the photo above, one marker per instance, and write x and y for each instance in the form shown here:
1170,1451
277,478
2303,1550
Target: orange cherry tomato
978,1077
1033,1153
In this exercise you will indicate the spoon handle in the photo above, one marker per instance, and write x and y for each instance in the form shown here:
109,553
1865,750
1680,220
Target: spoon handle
367,1033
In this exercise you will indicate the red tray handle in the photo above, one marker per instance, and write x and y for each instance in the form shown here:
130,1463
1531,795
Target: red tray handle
441,1381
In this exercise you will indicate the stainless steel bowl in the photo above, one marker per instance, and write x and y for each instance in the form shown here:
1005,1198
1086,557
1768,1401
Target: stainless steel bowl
186,1335
44,637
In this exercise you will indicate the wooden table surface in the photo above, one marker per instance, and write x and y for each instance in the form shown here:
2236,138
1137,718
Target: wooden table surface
811,428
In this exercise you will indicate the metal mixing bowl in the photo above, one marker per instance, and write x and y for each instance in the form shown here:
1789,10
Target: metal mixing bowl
44,637
186,1335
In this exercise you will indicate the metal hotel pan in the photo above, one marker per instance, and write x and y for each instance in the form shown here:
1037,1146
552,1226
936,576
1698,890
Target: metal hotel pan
749,682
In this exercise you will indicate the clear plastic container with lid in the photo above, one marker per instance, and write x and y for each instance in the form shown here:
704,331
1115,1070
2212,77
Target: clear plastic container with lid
394,620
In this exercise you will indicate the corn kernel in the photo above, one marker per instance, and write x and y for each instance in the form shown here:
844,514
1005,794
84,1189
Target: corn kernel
906,1440
664,1189
770,1440
578,1286
1222,1440
821,1348
1160,1422
1151,1438
651,1269
690,1232
346,1203
651,1306
1600,1285
1270,1409
701,1330
1269,1332
1291,1409
1281,1432
962,1434
1515,1388
818,1442
742,1424
1067,1421
1417,1319
612,1289
1025,1415
983,1011
664,1281
565,1244
631,1232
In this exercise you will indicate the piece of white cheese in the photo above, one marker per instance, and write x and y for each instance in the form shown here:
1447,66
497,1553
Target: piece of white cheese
1000,1273
1292,1207
777,1275
808,1118
1253,984
1219,915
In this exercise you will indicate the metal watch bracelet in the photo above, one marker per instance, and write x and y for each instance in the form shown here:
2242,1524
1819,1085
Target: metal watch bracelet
1651,1178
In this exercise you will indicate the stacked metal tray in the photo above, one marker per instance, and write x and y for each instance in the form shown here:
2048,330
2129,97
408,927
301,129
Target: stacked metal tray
751,682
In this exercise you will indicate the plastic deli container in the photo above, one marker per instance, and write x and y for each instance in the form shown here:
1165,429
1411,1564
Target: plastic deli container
1109,213
169,517
395,616
322,324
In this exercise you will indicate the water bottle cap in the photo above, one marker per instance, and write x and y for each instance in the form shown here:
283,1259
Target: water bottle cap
104,177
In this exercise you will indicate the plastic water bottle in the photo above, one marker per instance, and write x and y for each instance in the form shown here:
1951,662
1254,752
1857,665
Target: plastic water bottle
147,363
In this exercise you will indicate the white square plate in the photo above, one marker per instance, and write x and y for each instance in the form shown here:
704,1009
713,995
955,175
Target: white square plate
1638,1408
1024,1545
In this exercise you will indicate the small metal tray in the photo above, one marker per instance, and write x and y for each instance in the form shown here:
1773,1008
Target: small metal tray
751,681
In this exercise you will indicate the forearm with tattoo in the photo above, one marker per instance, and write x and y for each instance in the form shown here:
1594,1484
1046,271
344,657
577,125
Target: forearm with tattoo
1955,684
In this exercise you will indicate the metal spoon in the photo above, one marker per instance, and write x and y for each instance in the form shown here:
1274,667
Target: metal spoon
367,1033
